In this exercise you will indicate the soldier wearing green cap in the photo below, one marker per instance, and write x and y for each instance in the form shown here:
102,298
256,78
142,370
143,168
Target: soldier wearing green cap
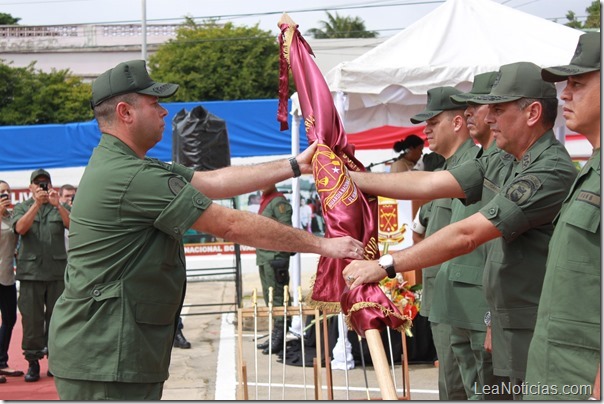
565,351
447,135
41,259
525,187
459,300
112,330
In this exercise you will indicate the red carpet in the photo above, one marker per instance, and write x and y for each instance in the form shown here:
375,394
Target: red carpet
16,388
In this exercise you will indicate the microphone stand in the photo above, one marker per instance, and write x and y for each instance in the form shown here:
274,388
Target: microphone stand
392,160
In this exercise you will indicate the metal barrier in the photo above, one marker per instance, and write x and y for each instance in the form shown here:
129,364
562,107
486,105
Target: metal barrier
229,273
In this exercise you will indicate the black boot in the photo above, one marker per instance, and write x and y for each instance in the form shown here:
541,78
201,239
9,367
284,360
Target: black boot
263,345
180,341
277,341
33,373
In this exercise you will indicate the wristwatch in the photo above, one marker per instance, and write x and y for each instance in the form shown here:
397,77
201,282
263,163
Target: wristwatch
387,262
487,318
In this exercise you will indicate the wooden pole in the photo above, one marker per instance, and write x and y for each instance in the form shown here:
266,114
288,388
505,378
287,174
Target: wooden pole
380,364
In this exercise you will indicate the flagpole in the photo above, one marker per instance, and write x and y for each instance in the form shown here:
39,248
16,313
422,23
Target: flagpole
296,324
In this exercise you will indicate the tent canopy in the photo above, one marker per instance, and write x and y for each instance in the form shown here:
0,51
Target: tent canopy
448,47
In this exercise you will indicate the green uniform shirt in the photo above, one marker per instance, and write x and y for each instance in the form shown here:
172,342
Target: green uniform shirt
524,198
458,298
125,280
41,253
438,215
565,349
280,210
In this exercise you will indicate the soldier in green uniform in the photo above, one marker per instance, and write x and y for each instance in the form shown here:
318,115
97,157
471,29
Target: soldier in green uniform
448,136
112,329
564,356
41,259
273,266
459,298
525,188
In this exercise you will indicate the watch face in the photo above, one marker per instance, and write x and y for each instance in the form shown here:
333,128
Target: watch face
386,260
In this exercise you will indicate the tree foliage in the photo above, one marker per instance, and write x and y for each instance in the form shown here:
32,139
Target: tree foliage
29,96
593,17
341,27
219,62
7,19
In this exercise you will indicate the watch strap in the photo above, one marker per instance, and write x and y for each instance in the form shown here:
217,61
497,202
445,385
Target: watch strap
295,167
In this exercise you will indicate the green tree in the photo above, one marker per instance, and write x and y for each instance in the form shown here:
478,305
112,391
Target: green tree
341,27
29,96
219,62
7,19
593,17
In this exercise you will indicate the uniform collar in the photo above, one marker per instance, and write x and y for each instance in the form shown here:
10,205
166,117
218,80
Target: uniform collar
114,144
461,150
543,143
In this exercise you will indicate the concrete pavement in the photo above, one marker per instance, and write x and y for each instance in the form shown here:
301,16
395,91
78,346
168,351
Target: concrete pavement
208,371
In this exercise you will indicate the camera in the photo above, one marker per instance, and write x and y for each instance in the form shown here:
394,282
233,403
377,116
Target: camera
4,196
44,186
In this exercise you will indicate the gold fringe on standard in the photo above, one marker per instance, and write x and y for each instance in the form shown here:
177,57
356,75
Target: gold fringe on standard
405,327
329,307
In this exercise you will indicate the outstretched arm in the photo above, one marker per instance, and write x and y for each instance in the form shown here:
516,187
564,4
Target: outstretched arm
451,241
261,232
409,185
236,180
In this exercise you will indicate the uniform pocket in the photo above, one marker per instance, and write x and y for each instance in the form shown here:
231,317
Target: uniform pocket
586,218
574,333
155,313
465,274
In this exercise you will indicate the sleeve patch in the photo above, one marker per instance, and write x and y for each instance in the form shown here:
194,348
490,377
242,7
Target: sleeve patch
176,185
522,189
282,208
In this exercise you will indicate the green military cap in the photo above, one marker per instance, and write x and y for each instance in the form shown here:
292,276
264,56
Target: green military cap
483,83
515,81
128,77
586,59
439,100
37,173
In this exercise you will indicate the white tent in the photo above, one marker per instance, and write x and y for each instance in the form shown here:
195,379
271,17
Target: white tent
448,47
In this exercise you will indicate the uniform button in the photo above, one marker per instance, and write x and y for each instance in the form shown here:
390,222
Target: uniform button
96,293
176,230
492,211
198,200
457,274
513,234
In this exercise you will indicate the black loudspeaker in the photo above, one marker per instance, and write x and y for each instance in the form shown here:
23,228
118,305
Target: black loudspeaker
200,140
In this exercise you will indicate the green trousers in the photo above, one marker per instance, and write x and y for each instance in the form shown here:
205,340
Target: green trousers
36,302
80,390
450,383
269,278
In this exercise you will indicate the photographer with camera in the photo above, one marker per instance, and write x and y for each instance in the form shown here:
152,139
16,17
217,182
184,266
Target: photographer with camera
8,288
41,261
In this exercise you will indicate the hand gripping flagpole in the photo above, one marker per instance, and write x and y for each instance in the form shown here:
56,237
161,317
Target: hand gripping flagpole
347,210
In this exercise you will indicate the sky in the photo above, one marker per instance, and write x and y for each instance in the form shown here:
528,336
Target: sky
385,16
